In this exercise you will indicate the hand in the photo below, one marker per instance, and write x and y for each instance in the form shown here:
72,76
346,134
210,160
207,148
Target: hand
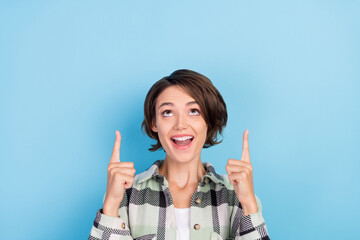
240,174
120,177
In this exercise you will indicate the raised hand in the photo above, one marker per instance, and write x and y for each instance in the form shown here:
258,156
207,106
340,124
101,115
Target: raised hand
120,177
240,174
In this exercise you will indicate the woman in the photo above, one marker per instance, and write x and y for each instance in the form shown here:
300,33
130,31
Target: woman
181,197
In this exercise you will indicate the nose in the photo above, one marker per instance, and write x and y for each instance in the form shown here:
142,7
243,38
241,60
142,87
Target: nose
181,122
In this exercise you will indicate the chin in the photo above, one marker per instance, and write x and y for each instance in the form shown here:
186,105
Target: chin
181,156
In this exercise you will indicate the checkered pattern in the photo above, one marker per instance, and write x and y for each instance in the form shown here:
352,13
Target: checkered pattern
147,211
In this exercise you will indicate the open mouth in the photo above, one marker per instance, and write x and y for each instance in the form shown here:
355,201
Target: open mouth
182,141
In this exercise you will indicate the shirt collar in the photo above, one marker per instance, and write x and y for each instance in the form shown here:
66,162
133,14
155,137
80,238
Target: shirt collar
153,172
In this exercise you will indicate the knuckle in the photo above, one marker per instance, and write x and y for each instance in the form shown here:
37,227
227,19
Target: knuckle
243,175
117,175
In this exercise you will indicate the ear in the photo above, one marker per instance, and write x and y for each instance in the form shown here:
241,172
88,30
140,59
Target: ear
153,127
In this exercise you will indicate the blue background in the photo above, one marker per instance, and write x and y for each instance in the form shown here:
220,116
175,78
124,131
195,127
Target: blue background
72,72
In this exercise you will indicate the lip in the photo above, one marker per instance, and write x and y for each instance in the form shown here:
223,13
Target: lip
181,147
181,135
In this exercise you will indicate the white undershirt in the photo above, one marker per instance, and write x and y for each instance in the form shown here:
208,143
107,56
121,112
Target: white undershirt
182,216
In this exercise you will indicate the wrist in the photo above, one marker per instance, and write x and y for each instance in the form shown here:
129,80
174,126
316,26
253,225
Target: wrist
249,207
248,211
111,208
110,211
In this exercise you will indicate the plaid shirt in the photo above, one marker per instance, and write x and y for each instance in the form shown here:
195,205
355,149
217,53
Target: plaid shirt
147,211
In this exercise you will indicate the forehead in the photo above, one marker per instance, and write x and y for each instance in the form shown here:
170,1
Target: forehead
173,94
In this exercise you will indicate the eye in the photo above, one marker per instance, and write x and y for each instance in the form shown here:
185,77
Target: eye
167,113
194,112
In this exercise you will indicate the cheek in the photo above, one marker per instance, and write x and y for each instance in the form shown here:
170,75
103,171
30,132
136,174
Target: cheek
163,128
202,129
162,136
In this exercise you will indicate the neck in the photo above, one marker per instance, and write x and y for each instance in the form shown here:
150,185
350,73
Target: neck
182,174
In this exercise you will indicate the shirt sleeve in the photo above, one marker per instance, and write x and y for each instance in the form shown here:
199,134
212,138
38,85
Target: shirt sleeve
111,228
252,226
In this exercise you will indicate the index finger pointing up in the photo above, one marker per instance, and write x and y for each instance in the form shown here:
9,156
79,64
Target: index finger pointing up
245,149
115,157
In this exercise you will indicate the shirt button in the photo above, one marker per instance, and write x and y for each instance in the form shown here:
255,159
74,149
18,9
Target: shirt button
196,226
198,200
123,225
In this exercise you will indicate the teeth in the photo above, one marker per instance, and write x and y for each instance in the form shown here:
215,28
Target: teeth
183,138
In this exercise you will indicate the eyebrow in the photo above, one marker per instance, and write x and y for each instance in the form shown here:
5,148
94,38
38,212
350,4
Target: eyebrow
171,104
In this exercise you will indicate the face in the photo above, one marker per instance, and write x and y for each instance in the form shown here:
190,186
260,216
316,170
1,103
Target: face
180,127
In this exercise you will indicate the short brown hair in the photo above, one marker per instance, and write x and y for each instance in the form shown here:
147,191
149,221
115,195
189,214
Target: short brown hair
199,87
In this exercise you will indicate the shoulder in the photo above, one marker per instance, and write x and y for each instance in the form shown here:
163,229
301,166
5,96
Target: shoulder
221,179
226,182
148,174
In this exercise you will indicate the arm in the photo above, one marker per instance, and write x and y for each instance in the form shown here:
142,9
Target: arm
106,226
248,212
252,226
112,219
248,227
